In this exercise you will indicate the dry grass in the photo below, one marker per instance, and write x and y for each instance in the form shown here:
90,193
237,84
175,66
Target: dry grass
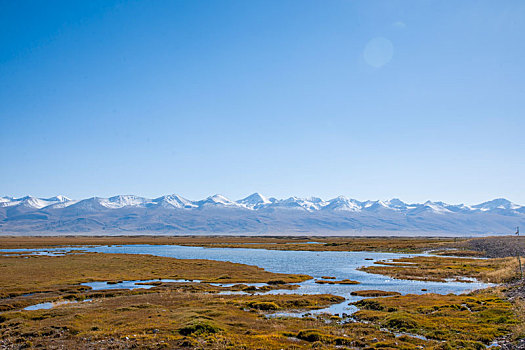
458,319
373,293
175,320
441,269
519,309
383,244
19,274
193,315
345,281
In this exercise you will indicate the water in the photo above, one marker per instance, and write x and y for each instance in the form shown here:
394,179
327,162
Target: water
130,284
147,284
278,243
49,305
46,251
341,265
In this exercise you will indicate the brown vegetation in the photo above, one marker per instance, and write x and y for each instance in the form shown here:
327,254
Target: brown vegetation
194,315
441,269
373,293
33,273
379,244
461,320
345,281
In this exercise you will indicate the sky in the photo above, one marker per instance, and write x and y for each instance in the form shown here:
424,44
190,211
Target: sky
418,100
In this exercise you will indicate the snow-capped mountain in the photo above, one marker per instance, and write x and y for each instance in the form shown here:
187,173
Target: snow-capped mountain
255,214
499,203
174,201
255,201
219,201
344,204
32,202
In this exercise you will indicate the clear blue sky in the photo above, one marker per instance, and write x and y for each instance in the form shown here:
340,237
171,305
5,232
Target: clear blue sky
369,99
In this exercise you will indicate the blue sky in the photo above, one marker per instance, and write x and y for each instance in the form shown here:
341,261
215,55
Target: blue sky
369,99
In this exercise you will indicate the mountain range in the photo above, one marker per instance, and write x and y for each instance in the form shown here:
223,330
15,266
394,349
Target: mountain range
255,214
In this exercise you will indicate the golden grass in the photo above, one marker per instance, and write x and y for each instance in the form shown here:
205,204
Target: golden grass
441,269
190,315
210,321
477,317
193,315
20,275
374,293
185,319
345,281
519,309
383,244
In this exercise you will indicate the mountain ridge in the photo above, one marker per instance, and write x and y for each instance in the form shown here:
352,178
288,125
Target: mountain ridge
254,214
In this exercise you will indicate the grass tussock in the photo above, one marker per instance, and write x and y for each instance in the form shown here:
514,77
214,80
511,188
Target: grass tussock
176,319
478,317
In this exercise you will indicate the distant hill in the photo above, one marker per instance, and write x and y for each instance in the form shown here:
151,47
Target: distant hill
255,214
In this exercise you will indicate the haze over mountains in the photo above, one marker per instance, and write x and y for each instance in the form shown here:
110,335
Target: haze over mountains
255,214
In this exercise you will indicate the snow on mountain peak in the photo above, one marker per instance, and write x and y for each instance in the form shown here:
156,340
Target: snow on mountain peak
174,201
396,203
308,204
30,202
342,203
376,205
5,199
217,198
219,201
254,201
435,207
257,201
33,202
58,198
256,214
91,204
124,201
498,203
255,198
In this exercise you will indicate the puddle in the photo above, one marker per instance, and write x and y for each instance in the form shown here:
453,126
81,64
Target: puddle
341,309
147,284
52,304
25,252
279,243
399,334
131,284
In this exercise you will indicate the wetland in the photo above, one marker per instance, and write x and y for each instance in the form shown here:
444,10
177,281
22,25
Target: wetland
109,292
